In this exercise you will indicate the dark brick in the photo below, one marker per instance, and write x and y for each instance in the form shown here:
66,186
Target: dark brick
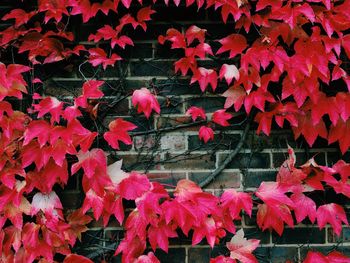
301,158
71,200
276,254
246,160
152,68
199,255
223,180
333,157
300,235
209,104
254,178
344,236
221,142
170,105
175,86
174,255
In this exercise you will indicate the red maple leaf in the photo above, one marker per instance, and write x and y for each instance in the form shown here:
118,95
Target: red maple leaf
205,77
205,133
236,201
98,56
331,213
74,258
196,112
241,248
339,132
91,90
229,72
118,131
234,43
221,117
304,206
145,102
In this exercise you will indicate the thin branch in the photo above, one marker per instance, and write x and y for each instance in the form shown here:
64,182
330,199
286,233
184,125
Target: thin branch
228,159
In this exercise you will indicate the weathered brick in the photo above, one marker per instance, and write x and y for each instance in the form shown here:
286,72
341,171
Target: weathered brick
190,161
164,122
197,255
247,160
300,235
173,142
223,180
333,157
221,141
145,142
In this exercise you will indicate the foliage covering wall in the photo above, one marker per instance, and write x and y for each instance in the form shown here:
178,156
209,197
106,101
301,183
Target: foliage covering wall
247,99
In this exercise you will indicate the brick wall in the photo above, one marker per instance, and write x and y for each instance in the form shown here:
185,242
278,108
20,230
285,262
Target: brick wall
169,155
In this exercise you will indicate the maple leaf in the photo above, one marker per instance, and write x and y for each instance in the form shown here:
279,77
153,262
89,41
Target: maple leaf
235,43
144,14
49,105
195,33
74,258
149,258
196,112
229,72
90,161
174,36
339,133
133,186
116,173
304,206
308,130
222,259
145,102
11,80
313,256
234,96
291,13
331,213
236,201
205,77
159,235
21,16
221,117
205,133
269,217
91,90
241,248
205,229
273,194
98,56
118,131
47,203
337,257
92,200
